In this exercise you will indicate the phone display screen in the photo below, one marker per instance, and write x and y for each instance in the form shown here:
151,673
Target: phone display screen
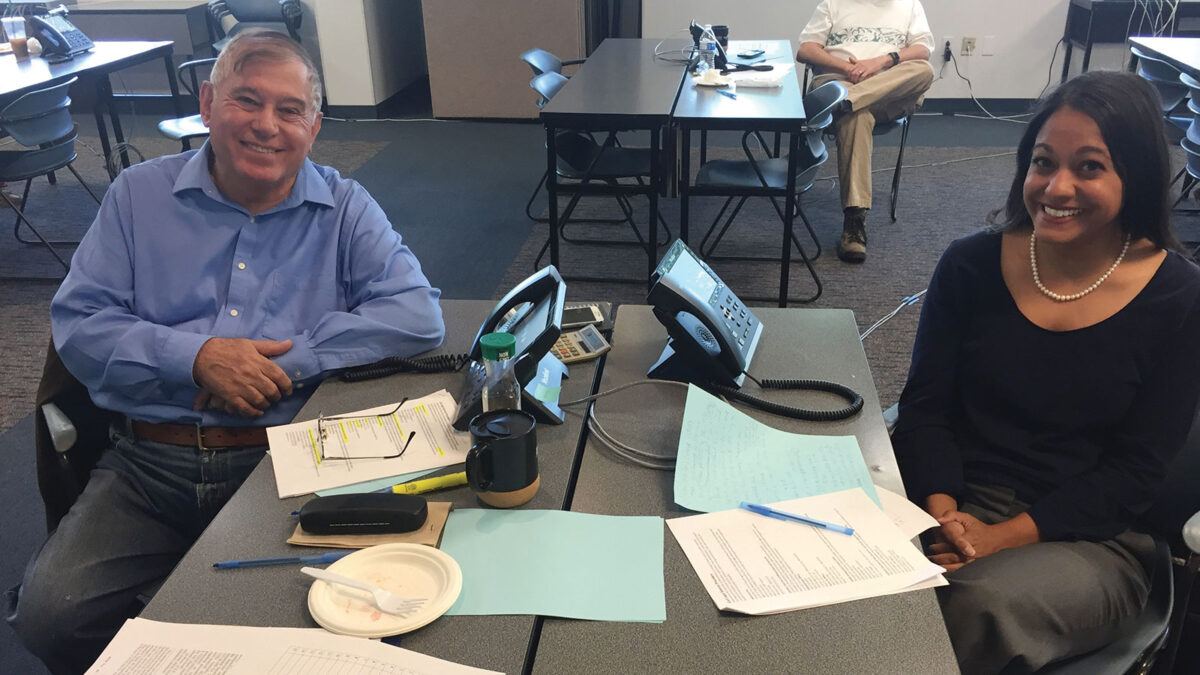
690,275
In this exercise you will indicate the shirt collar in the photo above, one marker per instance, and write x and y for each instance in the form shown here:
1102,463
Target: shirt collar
309,186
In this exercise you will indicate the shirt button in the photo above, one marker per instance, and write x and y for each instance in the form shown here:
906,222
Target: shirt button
252,219
241,266
297,373
233,312
299,385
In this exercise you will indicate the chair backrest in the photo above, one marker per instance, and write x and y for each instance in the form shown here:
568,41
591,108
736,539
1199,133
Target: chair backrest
280,15
190,70
541,61
820,103
1164,77
547,85
39,116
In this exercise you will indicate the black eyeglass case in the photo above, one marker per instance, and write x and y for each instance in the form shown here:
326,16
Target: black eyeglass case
370,513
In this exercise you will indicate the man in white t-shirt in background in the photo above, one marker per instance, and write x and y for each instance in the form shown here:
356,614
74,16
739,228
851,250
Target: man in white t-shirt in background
880,50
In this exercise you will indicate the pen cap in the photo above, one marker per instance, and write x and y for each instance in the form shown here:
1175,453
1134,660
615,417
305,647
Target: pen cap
370,513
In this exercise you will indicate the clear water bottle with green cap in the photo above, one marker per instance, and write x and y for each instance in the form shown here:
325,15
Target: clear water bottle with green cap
501,390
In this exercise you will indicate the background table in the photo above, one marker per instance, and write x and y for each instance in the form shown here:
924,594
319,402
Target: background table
902,633
255,523
20,76
622,86
1181,52
1093,21
774,109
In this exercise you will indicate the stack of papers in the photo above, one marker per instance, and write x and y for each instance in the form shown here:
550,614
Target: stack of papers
352,447
757,565
152,648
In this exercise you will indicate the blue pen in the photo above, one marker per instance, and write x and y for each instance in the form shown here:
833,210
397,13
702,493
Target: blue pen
317,558
795,518
730,94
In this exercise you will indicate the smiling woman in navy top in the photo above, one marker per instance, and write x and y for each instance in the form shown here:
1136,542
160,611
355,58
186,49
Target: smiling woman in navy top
1054,375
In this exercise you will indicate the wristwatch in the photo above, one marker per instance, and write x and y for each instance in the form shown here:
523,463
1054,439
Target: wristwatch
895,58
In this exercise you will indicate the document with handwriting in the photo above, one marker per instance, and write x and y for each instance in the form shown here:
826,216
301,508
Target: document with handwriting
144,647
365,445
726,457
757,565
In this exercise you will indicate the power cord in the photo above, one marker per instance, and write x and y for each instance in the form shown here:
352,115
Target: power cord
906,302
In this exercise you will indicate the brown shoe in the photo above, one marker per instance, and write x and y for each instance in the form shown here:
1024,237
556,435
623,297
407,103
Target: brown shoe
853,245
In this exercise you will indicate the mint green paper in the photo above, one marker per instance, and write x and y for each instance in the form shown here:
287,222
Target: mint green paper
727,457
375,485
558,563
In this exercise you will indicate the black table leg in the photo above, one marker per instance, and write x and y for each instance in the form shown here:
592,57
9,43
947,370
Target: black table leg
173,83
655,184
101,127
552,195
685,161
105,94
789,206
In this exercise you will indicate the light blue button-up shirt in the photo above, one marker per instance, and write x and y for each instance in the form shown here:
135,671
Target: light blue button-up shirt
169,262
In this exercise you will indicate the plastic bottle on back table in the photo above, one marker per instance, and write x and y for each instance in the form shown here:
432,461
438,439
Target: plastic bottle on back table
708,50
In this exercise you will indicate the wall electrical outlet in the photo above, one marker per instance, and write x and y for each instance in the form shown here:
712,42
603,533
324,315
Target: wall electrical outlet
968,46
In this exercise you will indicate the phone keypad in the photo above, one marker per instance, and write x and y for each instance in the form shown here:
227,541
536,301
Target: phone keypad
736,317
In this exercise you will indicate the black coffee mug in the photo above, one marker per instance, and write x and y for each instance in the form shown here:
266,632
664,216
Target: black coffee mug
502,465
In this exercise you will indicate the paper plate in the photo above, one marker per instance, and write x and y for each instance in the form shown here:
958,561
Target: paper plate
411,570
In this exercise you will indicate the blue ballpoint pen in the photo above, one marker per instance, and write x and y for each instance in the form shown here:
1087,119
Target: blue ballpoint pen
730,94
795,518
317,558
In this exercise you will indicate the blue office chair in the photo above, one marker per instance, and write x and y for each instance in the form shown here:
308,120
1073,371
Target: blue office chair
184,129
230,17
541,61
41,122
742,178
581,157
1172,93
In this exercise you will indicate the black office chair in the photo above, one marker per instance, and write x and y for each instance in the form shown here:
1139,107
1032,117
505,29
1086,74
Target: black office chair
541,61
1172,92
1153,640
580,157
230,17
741,179
41,122
184,129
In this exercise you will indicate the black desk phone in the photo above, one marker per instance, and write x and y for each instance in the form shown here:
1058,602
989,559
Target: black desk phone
713,337
60,38
711,330
532,312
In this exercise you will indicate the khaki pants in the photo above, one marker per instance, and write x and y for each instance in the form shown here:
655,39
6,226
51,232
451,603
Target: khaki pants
888,95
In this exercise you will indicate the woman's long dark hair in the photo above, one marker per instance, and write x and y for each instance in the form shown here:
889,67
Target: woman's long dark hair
1126,108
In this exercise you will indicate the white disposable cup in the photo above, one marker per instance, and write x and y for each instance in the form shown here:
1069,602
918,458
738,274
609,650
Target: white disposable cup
14,27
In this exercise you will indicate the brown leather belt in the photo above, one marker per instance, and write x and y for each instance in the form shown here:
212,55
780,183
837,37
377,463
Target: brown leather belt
205,438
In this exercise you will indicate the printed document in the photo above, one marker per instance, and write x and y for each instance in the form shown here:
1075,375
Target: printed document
726,457
144,647
757,565
360,446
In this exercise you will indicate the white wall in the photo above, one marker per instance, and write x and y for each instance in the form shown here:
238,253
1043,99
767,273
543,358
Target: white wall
1025,32
370,49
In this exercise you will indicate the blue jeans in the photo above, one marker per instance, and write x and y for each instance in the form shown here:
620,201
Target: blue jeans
144,505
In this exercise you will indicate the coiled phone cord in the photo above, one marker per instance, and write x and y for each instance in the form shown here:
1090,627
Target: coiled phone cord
440,363
855,399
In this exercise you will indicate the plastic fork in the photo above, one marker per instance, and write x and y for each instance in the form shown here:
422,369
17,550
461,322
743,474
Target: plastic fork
384,600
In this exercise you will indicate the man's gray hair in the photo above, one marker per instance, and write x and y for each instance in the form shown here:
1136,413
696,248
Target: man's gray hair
262,43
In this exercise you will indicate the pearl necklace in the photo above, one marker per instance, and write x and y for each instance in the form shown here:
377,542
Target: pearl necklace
1037,280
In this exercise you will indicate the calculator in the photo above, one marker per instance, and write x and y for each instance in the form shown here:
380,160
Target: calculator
580,345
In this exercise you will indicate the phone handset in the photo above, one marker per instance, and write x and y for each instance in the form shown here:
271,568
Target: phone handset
703,346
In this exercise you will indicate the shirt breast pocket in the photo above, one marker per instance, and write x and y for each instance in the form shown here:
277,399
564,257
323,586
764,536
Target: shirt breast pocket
296,305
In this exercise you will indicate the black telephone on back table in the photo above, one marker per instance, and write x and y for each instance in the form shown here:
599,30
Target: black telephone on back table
713,337
60,38
532,312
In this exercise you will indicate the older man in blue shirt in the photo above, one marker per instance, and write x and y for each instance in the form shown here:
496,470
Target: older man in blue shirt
214,289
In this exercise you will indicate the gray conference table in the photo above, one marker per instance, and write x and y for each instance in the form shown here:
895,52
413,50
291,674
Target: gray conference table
1181,52
902,633
256,523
